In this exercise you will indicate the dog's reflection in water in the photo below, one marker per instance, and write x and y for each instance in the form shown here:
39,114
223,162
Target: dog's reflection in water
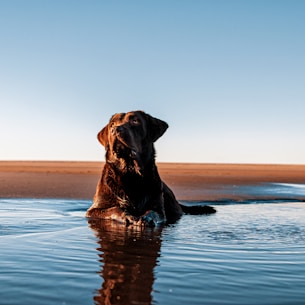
128,257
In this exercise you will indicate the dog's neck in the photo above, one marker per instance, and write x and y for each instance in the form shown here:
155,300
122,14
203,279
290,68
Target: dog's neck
132,162
130,183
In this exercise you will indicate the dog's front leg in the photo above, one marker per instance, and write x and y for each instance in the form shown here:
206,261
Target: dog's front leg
155,214
113,213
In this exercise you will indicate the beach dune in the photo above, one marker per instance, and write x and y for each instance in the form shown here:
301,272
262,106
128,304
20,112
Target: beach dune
189,181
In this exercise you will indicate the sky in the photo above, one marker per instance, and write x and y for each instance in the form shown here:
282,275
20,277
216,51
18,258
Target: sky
227,76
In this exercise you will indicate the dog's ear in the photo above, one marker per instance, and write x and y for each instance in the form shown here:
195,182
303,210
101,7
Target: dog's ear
102,136
155,127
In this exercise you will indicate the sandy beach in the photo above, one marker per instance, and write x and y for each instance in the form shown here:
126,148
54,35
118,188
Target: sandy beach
189,181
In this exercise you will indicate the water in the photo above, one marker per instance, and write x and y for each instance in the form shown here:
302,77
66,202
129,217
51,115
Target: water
249,252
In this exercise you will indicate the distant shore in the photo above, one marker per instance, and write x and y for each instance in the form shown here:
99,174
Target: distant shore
189,181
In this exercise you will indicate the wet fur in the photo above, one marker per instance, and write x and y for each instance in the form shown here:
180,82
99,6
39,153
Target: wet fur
130,189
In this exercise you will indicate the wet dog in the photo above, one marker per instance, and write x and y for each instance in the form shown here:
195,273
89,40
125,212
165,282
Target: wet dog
130,190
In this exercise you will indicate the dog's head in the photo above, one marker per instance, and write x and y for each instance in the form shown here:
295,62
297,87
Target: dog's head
129,138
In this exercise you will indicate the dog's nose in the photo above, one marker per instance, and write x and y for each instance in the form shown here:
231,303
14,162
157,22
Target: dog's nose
120,129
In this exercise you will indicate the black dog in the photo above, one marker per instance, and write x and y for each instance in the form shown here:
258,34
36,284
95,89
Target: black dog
130,189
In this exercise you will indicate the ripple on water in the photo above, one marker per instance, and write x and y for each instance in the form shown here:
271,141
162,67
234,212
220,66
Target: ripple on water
243,254
252,254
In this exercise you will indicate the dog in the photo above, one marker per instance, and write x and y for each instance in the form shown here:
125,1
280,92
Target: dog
130,189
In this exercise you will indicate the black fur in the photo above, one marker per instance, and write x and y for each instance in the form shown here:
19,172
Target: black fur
130,189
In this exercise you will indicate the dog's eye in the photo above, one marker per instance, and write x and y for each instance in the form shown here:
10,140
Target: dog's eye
135,121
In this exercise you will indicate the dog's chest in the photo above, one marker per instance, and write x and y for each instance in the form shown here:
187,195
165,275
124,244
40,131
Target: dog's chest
138,192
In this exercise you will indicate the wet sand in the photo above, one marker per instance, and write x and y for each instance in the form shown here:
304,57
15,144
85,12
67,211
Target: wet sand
189,181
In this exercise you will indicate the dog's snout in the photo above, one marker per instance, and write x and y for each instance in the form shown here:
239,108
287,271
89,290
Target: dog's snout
120,130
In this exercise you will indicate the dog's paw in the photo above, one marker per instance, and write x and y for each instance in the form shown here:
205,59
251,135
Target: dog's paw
152,219
131,220
94,213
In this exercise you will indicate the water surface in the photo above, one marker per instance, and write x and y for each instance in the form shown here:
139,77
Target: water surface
249,252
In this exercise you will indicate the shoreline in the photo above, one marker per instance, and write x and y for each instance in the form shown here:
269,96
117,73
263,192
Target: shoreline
189,181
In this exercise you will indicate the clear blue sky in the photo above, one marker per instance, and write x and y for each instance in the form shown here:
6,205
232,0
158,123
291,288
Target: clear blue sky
227,76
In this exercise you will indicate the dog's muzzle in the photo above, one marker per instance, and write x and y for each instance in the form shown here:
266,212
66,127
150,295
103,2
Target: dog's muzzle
123,135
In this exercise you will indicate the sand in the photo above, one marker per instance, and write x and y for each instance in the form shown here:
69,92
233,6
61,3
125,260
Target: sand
189,181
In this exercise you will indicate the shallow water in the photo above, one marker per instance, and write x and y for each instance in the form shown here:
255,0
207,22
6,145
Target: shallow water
250,253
